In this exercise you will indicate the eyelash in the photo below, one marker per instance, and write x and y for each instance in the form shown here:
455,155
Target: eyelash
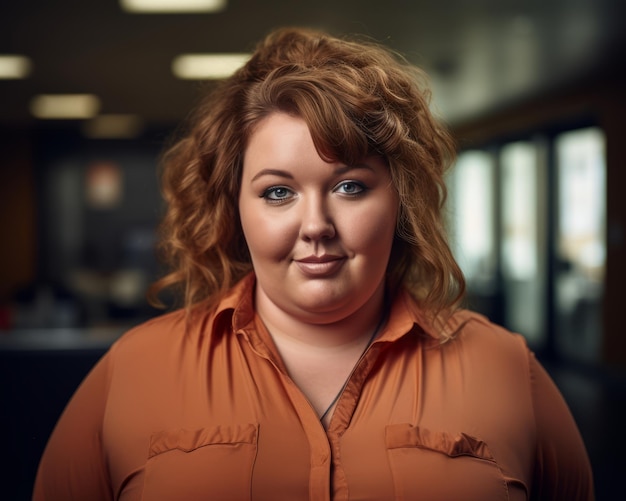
361,188
267,194
272,189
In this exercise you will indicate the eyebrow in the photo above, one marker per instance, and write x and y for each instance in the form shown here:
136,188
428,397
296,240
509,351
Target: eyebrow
287,175
272,172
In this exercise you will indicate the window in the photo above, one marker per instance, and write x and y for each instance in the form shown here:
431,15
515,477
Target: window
527,222
580,241
472,218
523,244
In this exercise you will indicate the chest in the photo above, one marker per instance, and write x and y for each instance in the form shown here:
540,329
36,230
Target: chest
322,379
398,431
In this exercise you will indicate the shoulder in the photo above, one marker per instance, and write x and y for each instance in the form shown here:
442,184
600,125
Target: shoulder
487,348
459,328
188,330
465,339
488,368
154,331
472,329
165,336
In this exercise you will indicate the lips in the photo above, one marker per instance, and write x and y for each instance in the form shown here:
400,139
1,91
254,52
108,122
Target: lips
320,266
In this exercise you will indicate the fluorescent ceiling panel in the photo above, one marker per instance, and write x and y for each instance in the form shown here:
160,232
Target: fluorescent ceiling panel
65,106
13,66
207,66
113,126
172,6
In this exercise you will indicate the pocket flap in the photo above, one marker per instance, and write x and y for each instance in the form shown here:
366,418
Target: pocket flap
189,440
405,435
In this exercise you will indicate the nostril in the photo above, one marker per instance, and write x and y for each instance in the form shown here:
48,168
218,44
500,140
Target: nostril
318,230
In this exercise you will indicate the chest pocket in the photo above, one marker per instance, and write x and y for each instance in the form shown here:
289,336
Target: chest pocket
436,465
209,463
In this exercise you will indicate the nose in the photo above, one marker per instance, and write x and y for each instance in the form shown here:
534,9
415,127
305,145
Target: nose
316,220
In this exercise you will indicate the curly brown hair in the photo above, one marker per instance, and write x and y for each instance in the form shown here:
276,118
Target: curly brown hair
358,99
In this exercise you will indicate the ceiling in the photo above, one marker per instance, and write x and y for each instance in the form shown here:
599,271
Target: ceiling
481,54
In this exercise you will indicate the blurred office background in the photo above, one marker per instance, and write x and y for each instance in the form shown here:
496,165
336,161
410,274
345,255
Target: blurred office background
91,92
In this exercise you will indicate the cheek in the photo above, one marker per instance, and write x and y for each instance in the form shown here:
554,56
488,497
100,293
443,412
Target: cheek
267,236
372,230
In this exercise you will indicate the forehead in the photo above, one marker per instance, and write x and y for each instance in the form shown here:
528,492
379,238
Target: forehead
278,123
283,141
278,138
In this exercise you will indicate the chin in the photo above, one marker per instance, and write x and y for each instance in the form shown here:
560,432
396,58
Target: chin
326,310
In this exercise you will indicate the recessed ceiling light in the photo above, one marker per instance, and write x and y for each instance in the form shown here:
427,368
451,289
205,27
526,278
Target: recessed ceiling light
113,126
207,66
172,6
14,66
65,106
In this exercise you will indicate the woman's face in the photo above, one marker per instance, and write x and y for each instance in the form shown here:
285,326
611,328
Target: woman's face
319,233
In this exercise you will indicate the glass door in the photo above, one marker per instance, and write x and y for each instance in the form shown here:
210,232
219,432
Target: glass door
523,245
580,243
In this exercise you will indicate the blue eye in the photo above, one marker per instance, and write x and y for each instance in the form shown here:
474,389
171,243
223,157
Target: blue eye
350,188
277,194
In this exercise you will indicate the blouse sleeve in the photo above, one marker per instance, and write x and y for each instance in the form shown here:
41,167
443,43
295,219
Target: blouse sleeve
73,465
562,468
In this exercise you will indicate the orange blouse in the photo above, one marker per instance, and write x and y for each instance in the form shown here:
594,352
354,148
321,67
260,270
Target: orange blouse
206,410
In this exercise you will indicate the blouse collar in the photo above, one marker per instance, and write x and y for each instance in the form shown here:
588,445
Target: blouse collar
405,314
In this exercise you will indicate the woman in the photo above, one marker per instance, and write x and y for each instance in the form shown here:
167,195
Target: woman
321,353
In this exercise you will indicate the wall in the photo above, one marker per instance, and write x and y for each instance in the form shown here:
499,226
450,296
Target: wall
17,213
603,100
